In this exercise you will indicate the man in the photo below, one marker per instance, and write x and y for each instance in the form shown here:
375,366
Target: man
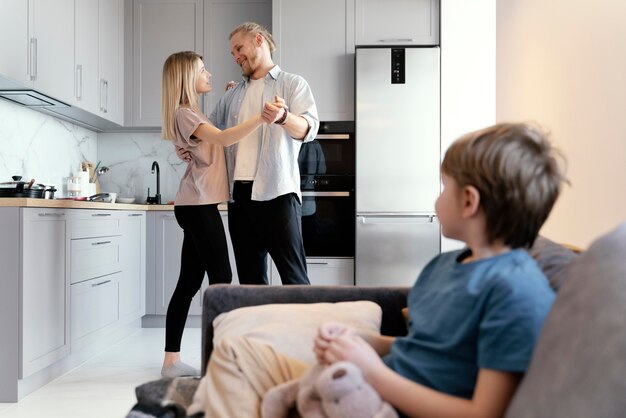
264,214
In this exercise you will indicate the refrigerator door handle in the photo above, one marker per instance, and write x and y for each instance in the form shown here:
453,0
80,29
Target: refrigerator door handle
393,218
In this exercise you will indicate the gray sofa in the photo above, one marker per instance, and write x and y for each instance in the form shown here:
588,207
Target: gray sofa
579,365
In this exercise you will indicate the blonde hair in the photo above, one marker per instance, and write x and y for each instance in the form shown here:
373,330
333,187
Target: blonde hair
518,174
253,28
178,88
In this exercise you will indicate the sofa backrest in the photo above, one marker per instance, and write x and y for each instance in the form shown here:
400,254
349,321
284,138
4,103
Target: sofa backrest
578,367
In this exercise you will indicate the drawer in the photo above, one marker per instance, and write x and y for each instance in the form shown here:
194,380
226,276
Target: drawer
324,272
94,257
94,223
94,307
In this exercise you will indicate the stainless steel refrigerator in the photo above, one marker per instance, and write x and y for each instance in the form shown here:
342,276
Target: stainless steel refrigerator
397,163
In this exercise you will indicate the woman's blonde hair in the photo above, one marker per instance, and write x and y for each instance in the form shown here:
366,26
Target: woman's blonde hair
178,88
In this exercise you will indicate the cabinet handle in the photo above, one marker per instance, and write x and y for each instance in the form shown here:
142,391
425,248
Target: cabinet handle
101,243
135,214
317,263
106,96
396,40
51,214
33,59
100,214
79,83
101,283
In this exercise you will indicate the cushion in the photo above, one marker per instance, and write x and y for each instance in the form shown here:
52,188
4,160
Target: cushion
291,327
553,259
578,368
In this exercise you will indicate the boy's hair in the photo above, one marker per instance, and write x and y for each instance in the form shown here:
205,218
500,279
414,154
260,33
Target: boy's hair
178,87
253,28
517,173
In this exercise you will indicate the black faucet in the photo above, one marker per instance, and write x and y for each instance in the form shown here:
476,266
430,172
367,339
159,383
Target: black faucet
156,199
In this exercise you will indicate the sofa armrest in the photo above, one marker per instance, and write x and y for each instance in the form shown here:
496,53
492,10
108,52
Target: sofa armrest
221,298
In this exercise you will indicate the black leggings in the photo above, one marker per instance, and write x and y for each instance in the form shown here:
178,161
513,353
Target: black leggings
204,250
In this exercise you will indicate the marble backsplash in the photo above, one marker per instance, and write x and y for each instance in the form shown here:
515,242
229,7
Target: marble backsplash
41,147
129,157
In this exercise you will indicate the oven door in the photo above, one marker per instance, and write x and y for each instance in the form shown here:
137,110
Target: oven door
327,154
328,223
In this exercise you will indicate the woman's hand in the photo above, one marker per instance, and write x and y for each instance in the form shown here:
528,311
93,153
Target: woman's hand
274,111
230,85
183,154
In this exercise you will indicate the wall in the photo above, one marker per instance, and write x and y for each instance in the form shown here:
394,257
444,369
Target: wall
129,157
35,145
468,72
562,63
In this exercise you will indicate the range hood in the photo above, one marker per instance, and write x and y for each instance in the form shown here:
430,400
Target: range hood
18,94
31,98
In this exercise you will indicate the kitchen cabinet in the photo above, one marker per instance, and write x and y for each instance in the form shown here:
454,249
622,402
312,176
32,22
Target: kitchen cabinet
133,265
95,271
220,18
325,272
159,28
162,27
397,22
168,244
325,60
99,47
95,306
86,69
45,289
40,53
111,60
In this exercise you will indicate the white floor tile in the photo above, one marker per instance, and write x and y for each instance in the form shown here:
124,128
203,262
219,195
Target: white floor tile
104,386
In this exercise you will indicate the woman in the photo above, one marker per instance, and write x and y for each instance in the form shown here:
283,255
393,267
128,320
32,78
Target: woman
203,185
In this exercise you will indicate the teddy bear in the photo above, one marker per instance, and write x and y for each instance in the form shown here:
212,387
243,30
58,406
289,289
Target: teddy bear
334,391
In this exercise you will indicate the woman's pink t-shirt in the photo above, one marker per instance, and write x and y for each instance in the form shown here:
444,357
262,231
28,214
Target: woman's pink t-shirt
205,180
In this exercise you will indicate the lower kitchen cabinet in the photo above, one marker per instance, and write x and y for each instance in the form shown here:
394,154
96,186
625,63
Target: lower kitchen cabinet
325,272
45,291
132,302
95,306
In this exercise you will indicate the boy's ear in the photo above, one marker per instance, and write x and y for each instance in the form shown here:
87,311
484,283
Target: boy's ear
471,201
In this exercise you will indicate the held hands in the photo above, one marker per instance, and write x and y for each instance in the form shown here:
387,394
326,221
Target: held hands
336,342
273,112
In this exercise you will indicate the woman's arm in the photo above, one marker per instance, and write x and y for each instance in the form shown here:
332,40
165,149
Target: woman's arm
208,132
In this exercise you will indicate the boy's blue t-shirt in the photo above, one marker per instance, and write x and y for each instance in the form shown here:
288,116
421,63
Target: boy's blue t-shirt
464,317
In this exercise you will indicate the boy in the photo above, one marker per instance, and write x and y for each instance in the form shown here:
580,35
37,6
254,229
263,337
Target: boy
475,314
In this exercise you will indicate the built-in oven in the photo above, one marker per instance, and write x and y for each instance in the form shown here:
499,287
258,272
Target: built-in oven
327,183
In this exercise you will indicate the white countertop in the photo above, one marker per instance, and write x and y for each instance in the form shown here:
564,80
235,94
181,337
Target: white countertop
82,204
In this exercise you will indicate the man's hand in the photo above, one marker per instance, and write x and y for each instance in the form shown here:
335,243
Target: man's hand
274,111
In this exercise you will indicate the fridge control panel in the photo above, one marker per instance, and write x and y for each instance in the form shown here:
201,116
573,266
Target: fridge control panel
397,66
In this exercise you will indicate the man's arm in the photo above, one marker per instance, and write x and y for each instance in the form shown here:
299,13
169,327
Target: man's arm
296,126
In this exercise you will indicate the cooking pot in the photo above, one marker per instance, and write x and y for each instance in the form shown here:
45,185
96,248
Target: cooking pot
18,188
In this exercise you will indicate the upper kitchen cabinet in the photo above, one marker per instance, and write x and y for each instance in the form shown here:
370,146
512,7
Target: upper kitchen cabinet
40,52
220,18
397,22
99,47
111,60
159,28
325,57
86,55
